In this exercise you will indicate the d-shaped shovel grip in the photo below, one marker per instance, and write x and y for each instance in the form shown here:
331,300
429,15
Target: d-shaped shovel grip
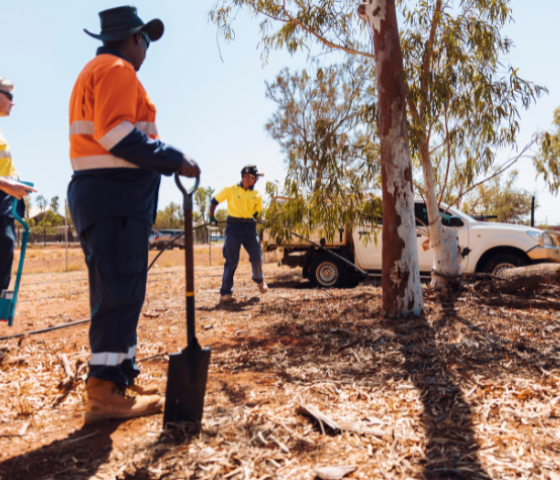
189,260
187,196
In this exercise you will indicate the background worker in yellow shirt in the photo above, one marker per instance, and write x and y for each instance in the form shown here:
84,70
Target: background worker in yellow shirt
9,187
244,207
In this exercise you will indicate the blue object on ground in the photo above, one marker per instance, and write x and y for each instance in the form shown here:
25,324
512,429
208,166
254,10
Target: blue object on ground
8,299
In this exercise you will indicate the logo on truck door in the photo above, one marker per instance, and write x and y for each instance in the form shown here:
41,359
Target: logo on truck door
426,245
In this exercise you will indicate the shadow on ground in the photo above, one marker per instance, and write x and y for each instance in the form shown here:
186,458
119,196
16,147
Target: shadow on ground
438,365
77,456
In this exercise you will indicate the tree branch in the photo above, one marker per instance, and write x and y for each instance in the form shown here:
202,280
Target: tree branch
322,39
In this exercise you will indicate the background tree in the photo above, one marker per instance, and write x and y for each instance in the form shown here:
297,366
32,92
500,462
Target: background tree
221,216
202,199
27,202
324,126
55,204
501,198
463,105
547,160
41,203
170,217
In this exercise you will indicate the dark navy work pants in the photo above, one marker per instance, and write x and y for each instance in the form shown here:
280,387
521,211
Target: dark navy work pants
7,244
238,234
116,252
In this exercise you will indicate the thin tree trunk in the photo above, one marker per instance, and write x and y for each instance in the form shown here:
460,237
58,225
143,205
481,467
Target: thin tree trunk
402,291
444,241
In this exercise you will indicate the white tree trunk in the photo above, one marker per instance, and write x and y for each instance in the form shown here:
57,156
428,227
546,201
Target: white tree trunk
444,241
402,291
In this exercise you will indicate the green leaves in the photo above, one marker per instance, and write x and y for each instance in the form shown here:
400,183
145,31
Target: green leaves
326,126
464,97
547,161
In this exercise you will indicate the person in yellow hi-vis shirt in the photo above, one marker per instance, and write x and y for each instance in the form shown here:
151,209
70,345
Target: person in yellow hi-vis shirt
9,187
244,207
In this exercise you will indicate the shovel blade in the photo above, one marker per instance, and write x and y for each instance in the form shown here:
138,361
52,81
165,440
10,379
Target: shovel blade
186,385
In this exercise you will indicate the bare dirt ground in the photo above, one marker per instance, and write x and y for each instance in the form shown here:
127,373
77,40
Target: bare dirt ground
467,391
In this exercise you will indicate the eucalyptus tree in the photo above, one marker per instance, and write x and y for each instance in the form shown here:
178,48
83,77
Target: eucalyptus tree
547,161
501,198
324,125
463,98
334,25
463,103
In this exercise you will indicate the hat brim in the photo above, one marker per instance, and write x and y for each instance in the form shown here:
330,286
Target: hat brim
154,29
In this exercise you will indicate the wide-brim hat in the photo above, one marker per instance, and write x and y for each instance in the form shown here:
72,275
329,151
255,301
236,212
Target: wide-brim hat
123,22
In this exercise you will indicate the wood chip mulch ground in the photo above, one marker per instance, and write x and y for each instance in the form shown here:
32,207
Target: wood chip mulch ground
300,380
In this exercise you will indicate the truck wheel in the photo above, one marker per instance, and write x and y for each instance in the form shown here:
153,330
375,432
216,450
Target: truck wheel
328,272
503,261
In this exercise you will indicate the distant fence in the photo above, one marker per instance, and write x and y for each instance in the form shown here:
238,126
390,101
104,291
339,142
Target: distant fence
40,239
200,235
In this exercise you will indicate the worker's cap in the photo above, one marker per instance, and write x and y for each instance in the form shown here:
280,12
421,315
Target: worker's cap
251,170
123,22
6,86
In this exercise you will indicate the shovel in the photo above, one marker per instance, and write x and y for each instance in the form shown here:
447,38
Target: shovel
188,369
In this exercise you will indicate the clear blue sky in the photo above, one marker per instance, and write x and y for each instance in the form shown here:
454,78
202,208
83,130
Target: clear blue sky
214,111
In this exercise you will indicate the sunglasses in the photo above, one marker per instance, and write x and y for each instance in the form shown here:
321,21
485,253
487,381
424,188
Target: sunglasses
146,39
8,94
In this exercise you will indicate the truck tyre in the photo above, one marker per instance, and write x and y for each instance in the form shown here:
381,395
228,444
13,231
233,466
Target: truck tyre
503,261
328,272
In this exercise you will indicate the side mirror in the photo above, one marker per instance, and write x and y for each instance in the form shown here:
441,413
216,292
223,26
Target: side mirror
455,221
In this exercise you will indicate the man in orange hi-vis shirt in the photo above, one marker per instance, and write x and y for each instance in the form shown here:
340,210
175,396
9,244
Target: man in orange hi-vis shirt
117,159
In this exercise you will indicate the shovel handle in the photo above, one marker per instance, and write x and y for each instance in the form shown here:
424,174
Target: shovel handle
183,189
189,260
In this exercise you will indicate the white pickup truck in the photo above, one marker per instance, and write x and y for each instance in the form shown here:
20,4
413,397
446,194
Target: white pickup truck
493,247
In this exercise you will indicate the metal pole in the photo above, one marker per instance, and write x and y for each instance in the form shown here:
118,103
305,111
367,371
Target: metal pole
533,211
66,231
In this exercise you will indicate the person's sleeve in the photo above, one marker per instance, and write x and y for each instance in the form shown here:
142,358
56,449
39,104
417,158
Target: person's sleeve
259,206
149,154
114,114
222,195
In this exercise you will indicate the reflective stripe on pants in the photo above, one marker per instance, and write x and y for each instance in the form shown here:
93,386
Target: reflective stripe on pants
116,252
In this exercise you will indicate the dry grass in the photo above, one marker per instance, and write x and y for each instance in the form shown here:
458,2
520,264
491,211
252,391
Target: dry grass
53,259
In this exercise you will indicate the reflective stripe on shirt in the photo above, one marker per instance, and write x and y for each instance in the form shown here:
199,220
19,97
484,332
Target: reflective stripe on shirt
116,134
99,161
83,127
5,154
149,128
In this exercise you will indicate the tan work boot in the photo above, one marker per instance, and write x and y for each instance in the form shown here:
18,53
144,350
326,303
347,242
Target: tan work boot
263,287
227,298
149,389
107,400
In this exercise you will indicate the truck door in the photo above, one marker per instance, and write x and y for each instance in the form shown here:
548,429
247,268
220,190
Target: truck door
367,253
425,250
